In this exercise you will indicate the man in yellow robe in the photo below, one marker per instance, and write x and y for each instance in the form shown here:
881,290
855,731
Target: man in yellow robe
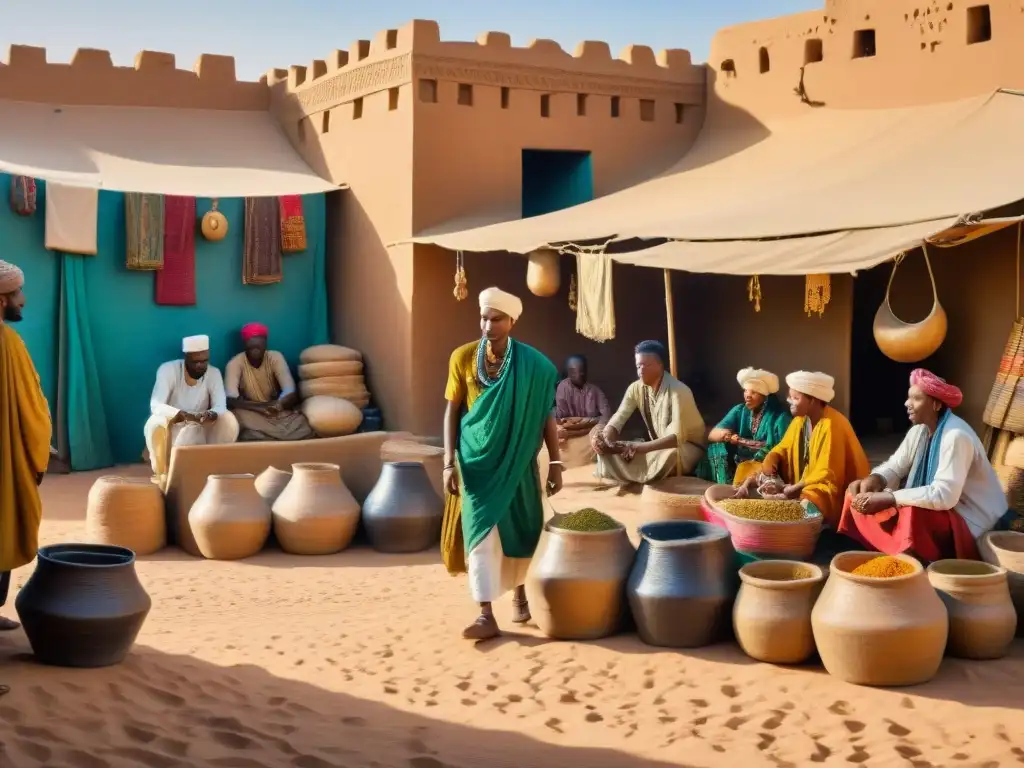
818,457
24,440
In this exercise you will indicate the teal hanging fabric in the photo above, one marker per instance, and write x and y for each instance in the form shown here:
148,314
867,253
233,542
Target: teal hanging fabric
88,439
315,211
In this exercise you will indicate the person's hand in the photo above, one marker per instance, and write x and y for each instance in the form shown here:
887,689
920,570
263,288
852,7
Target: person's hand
774,496
873,503
627,451
179,417
598,443
563,434
791,491
743,492
854,488
274,408
451,480
732,438
771,488
207,416
554,479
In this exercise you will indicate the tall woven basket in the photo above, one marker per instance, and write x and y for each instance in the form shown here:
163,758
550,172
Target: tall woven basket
1005,406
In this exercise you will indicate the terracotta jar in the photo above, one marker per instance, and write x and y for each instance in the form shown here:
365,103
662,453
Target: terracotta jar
229,520
683,583
126,512
402,512
315,514
772,614
576,583
879,631
1006,549
271,482
982,620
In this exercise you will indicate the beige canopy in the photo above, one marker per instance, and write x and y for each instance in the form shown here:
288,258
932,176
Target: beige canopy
195,152
865,183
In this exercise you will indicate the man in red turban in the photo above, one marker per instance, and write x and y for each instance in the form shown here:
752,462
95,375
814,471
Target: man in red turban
261,391
938,493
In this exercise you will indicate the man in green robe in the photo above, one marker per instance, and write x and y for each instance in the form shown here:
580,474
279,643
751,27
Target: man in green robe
501,396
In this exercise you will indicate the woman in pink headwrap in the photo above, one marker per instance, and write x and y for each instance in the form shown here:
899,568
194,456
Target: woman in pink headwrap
261,391
938,493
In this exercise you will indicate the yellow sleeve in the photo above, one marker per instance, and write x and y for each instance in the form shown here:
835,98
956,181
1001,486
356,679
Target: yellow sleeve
780,458
455,390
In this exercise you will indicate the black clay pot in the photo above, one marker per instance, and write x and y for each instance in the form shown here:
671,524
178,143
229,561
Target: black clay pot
683,583
403,511
83,606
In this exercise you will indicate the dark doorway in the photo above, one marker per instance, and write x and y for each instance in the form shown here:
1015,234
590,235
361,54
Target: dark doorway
555,179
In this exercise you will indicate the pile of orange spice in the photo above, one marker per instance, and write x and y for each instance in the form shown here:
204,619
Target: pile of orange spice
883,567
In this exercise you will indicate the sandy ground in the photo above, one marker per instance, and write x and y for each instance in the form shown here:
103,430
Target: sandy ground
355,660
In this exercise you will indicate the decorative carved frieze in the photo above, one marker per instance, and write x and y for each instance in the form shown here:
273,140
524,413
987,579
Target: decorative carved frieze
354,82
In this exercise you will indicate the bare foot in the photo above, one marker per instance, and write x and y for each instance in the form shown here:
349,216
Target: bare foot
6,625
484,628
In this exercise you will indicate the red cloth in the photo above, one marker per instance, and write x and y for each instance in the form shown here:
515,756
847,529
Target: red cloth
254,329
936,387
176,282
928,534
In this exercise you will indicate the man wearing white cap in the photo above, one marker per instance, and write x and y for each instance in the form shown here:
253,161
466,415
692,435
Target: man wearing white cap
819,455
740,441
501,397
188,405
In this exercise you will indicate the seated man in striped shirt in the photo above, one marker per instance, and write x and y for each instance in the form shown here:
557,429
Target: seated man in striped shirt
579,407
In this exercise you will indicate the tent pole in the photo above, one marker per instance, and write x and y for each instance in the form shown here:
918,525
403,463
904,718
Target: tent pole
670,316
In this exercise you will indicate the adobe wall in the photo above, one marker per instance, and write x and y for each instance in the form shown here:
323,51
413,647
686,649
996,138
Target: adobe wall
925,51
91,78
413,156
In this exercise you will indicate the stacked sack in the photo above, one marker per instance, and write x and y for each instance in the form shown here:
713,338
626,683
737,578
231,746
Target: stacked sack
333,389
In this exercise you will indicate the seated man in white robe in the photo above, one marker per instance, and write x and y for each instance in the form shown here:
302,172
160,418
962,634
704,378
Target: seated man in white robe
188,405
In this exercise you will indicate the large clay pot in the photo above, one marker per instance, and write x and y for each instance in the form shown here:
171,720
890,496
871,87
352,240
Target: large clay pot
576,583
271,482
402,512
315,514
230,520
83,606
982,620
772,614
683,583
126,512
416,449
873,631
675,498
1006,549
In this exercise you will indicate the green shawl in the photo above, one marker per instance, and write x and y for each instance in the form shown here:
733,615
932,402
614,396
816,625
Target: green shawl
498,442
721,460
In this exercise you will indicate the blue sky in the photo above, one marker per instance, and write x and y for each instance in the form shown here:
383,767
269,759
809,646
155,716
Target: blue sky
262,34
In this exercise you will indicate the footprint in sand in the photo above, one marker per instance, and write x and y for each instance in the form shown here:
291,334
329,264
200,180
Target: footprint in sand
554,723
839,708
80,759
593,717
146,757
766,741
231,740
730,691
854,726
898,730
821,753
859,755
138,734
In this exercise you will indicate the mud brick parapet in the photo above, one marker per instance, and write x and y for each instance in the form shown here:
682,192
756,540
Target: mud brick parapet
415,52
154,81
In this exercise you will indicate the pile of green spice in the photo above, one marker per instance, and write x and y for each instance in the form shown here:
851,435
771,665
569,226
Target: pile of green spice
765,510
586,520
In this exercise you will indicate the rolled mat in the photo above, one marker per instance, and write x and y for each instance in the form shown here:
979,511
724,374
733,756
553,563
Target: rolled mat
176,282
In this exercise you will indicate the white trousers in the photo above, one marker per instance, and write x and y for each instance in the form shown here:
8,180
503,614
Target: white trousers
223,430
491,574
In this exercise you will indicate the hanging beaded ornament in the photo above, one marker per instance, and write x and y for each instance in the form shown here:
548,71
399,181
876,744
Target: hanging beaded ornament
572,292
460,291
754,292
817,294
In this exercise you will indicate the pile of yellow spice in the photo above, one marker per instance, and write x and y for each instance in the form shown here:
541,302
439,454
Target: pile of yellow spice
765,510
883,567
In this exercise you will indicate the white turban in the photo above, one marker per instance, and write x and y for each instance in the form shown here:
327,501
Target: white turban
195,344
763,382
11,277
817,384
501,301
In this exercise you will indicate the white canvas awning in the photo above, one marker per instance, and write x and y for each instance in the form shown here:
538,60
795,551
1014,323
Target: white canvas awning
861,175
195,152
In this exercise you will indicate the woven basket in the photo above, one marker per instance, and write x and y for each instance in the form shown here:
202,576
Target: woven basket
126,512
334,386
327,353
1005,406
675,498
764,538
1006,548
332,368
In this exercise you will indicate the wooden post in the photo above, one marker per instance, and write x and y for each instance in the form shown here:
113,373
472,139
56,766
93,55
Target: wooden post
670,316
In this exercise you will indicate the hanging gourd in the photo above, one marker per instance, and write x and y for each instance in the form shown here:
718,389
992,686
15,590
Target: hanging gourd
214,224
543,276
910,342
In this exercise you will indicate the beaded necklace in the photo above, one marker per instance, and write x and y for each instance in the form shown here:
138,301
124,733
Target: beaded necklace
755,422
483,375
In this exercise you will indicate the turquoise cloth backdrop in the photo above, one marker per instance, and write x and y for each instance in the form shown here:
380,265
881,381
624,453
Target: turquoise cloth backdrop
115,335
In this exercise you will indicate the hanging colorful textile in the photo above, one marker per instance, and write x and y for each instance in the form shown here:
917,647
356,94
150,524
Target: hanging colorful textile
595,313
23,195
71,218
261,257
176,282
293,224
817,294
144,231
